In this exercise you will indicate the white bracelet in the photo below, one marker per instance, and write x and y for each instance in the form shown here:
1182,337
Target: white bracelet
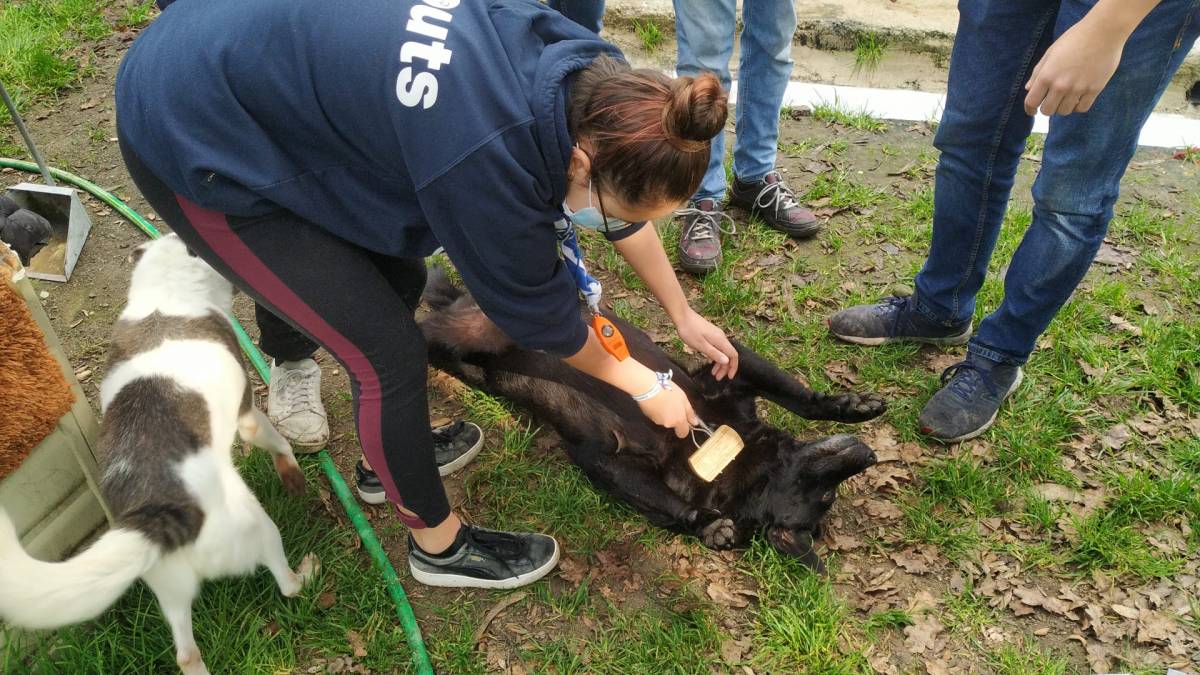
662,381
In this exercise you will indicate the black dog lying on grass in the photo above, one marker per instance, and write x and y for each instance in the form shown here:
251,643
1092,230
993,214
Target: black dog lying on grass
778,483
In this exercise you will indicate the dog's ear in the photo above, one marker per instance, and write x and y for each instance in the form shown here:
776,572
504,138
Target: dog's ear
798,544
136,254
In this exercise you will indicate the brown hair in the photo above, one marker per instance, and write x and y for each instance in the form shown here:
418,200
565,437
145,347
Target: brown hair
650,134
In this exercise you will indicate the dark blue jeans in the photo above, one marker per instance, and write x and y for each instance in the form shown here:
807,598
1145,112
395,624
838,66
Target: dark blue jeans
982,136
586,13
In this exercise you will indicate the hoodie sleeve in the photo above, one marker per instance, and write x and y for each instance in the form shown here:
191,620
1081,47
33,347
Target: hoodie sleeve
494,220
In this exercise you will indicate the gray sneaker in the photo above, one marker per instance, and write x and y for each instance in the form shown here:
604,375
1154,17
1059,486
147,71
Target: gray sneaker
969,400
700,236
482,558
294,404
893,319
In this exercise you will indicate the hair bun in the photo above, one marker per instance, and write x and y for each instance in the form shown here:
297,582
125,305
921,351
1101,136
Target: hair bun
696,110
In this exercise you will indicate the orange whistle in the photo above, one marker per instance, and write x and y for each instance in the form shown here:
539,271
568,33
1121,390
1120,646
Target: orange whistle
610,338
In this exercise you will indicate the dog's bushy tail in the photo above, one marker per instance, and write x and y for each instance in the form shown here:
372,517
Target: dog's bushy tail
456,325
38,594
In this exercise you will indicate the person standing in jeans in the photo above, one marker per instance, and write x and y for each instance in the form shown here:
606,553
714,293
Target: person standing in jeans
1098,67
705,31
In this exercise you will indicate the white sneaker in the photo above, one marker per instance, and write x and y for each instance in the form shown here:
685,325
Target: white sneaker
294,403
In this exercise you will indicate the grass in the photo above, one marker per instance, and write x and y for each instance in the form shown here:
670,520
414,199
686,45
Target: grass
649,33
833,113
868,52
244,625
802,626
45,47
1091,378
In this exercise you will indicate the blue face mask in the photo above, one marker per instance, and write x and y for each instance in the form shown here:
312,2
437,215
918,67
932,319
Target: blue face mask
591,218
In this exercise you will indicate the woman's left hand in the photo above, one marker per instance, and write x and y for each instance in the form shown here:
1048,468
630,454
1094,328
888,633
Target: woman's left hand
700,334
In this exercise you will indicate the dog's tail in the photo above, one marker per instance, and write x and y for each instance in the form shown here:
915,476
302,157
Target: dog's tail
456,325
440,291
37,594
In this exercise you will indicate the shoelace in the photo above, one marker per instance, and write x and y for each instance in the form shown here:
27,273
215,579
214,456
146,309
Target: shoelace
967,385
895,305
300,391
705,223
499,545
776,193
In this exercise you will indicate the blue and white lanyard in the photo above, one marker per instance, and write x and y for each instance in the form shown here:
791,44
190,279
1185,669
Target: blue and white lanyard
568,246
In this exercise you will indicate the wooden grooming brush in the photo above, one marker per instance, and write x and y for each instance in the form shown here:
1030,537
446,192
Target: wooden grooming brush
711,457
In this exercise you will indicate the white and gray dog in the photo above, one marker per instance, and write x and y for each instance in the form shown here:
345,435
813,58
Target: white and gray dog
174,396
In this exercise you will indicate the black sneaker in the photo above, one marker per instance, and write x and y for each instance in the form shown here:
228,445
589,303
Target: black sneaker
454,446
482,558
773,201
700,236
969,400
893,319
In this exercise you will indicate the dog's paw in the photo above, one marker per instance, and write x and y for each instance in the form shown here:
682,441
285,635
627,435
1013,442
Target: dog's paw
852,407
290,474
309,567
720,534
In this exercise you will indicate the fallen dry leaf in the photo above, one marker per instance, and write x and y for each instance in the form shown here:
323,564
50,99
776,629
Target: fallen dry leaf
1116,256
572,570
922,636
1155,627
940,361
887,476
733,651
505,602
326,599
1099,657
1093,373
1125,611
883,510
1035,597
1116,437
1121,324
911,561
356,644
1053,492
721,595
842,373
836,541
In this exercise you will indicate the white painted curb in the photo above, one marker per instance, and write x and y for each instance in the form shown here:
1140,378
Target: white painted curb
1161,131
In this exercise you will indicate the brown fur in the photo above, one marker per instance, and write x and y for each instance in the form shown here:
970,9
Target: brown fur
130,338
33,392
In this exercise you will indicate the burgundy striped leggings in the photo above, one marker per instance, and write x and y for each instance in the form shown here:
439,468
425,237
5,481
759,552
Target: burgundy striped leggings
356,304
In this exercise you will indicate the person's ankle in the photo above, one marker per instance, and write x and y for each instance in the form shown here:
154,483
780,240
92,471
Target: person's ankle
441,539
449,550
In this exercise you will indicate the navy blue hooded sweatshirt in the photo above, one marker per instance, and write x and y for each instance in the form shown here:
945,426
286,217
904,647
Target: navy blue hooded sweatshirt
397,125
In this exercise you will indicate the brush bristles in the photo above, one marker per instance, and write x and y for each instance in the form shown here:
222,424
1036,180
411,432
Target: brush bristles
716,453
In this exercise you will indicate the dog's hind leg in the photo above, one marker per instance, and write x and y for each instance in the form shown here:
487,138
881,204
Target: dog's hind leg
273,557
765,379
642,487
175,584
254,428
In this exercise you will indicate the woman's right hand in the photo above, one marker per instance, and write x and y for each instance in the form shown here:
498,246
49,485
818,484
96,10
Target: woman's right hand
671,409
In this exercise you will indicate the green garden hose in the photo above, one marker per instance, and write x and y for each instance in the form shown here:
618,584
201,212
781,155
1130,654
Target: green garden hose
365,532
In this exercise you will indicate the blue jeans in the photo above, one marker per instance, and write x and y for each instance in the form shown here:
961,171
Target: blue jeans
586,13
981,137
705,30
